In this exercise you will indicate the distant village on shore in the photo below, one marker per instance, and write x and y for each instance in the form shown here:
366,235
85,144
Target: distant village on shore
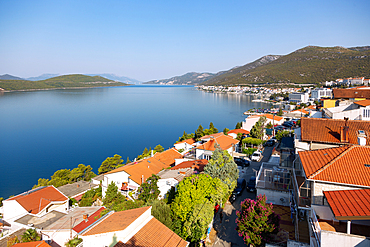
308,154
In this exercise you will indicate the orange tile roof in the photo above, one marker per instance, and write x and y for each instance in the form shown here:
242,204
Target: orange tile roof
300,111
311,107
363,102
168,157
237,131
188,141
349,204
348,93
269,116
346,165
224,141
116,221
154,234
36,200
213,135
328,130
196,164
33,244
143,169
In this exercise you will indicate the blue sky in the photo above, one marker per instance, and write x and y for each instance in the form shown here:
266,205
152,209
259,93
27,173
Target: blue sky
149,40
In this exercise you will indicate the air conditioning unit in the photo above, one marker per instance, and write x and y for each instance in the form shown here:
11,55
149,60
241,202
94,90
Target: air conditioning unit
168,183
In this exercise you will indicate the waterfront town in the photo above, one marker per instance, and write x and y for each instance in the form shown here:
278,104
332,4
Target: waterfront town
308,156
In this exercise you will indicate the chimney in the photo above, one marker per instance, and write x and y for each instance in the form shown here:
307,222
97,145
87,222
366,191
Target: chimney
344,132
361,138
85,216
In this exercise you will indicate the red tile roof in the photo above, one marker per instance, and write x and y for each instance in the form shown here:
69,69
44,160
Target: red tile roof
269,116
213,135
237,131
311,107
143,169
90,220
33,244
154,234
346,165
36,200
349,93
225,142
328,130
116,221
363,102
349,204
188,141
300,111
195,164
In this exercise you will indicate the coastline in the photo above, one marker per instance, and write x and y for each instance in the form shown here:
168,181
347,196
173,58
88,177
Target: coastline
57,88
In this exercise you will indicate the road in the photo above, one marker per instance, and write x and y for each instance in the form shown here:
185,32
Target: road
226,233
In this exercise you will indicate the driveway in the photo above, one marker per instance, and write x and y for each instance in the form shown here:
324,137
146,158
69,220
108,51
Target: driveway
226,233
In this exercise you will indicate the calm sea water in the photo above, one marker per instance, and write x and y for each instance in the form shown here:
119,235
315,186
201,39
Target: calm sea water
44,131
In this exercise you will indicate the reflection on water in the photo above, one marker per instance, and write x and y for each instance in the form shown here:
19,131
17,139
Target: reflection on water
43,131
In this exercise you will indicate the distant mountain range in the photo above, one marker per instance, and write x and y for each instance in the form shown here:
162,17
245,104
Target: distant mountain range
311,64
9,77
117,78
64,81
191,78
41,77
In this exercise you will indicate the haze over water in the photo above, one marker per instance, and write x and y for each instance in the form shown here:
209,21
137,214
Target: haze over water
44,131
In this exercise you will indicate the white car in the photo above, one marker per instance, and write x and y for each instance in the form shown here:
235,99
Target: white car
256,156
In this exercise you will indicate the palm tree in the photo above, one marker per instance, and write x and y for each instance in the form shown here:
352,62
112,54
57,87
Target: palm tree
30,235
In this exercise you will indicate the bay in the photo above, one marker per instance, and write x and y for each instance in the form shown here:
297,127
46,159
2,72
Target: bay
44,131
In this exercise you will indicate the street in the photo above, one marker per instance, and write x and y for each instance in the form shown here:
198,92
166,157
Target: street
226,233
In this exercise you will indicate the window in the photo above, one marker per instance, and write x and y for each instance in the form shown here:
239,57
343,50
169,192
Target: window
305,189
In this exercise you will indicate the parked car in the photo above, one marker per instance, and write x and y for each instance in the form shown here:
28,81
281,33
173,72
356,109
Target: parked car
242,162
251,186
256,156
288,124
241,183
279,128
269,143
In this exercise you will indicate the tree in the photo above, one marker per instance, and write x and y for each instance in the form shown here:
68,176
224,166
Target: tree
212,128
158,149
257,129
185,136
199,132
222,166
12,241
113,196
30,235
90,197
280,113
82,172
162,212
189,205
41,182
128,160
283,133
73,242
238,125
256,221
110,163
225,131
149,190
1,201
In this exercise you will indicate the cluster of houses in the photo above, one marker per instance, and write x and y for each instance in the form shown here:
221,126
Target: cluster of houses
49,210
322,174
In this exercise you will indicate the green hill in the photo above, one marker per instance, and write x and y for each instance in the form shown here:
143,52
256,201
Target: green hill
64,81
311,64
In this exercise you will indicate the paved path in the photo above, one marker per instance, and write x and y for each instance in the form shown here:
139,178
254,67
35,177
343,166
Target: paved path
226,233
